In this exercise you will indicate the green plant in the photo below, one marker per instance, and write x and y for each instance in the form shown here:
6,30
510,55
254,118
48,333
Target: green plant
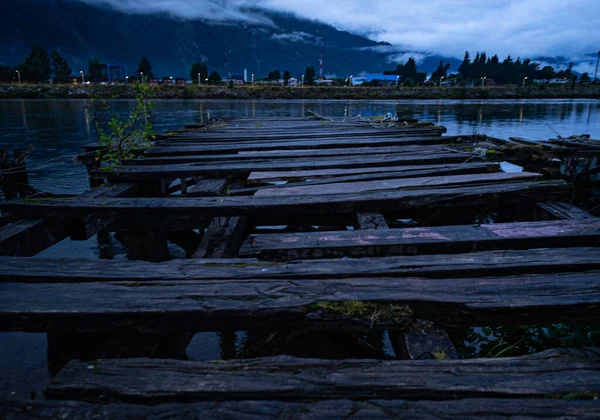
120,138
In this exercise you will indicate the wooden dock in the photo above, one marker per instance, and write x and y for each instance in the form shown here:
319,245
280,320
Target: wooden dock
296,227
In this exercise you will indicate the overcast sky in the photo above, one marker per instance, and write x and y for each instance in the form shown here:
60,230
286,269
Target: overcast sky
527,28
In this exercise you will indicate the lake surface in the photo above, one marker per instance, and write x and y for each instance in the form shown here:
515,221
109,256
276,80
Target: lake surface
58,129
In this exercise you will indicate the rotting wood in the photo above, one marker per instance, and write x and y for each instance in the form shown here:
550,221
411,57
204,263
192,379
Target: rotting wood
289,378
325,143
223,238
396,200
564,210
389,184
475,264
469,408
232,168
424,240
274,156
377,174
208,187
263,177
158,306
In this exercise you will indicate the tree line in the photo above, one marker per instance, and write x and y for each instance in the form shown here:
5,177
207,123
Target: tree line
39,66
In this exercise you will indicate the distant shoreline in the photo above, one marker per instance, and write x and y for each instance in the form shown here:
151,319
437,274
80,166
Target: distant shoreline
12,91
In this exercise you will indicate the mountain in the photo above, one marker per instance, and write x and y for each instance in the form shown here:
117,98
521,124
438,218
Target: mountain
81,31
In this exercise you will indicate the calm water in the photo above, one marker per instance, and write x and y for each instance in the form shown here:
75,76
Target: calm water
58,129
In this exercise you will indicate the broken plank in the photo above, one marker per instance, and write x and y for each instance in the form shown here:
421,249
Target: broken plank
143,380
474,264
227,168
257,177
562,210
208,187
223,238
158,306
468,408
388,184
396,200
424,240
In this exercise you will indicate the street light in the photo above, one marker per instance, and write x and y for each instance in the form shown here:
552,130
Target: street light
126,79
82,79
483,81
19,76
525,78
171,79
252,79
441,79
142,77
397,81
199,81
303,79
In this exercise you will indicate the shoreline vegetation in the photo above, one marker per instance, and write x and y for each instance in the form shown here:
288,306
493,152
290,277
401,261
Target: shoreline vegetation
46,91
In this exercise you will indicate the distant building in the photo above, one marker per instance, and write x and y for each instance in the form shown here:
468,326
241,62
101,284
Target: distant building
293,82
382,79
111,73
236,79
325,82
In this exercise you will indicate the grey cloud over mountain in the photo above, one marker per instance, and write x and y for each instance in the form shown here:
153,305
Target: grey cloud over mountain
529,28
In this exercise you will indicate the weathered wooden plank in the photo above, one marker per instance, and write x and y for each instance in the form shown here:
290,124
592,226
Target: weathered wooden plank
564,210
561,372
482,263
333,174
396,200
389,184
424,240
470,408
475,264
208,187
318,134
223,238
244,168
274,155
177,149
154,307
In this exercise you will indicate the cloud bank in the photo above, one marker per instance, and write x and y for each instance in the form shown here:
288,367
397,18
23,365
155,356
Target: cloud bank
526,28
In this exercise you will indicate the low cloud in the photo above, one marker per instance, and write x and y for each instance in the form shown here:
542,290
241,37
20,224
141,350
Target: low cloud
526,28
296,37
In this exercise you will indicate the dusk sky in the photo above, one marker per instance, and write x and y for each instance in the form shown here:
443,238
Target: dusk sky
528,28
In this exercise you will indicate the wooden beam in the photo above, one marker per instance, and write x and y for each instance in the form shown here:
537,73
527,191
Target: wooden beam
186,148
475,264
562,372
397,200
370,221
208,187
223,238
25,238
469,409
158,306
244,168
402,183
424,240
